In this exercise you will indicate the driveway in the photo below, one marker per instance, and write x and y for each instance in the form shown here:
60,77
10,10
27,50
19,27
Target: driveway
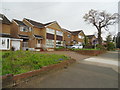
79,75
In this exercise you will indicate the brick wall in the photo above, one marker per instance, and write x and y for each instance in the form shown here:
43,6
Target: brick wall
11,80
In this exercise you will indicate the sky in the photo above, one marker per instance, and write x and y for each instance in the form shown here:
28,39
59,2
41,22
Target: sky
68,13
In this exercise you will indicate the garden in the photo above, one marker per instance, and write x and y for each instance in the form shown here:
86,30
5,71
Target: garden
17,62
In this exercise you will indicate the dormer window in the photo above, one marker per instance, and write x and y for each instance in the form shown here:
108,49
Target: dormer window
23,29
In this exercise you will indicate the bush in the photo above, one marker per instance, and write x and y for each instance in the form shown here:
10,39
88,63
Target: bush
59,48
110,46
101,47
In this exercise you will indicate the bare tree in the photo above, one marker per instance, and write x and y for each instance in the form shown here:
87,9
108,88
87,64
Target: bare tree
101,20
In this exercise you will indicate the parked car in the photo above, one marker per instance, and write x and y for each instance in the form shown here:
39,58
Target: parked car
77,46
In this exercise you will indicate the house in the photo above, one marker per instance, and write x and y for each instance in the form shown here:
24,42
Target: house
78,37
73,37
92,40
44,36
20,30
6,40
67,37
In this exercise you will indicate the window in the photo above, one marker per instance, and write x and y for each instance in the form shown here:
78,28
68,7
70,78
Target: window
39,41
68,36
59,43
49,30
50,43
59,33
30,29
23,29
81,37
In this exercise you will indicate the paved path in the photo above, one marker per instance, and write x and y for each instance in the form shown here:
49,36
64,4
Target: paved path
79,75
71,54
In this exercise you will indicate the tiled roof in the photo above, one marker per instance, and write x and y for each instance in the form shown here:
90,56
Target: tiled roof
90,36
36,24
76,32
66,30
4,19
19,22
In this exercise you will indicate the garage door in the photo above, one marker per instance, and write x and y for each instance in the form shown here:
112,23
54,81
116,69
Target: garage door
16,45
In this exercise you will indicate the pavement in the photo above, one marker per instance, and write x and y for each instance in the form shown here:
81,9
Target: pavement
86,73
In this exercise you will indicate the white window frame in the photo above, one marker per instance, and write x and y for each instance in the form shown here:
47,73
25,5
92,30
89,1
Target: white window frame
49,43
59,33
49,30
21,29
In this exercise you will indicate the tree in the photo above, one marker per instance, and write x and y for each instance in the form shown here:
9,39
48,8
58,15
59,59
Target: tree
101,20
109,38
109,42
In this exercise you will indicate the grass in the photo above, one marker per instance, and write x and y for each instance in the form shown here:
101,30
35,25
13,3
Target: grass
74,49
16,62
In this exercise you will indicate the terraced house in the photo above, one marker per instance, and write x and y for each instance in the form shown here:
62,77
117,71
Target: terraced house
92,40
44,36
6,40
73,37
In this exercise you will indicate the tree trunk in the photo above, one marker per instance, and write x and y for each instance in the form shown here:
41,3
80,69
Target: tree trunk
99,37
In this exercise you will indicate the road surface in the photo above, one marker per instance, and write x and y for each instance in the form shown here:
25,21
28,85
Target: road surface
83,74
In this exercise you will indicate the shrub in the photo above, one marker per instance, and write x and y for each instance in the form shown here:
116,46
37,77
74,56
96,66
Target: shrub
101,47
110,46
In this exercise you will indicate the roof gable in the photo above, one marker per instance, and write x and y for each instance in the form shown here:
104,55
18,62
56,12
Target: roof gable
35,24
53,24
19,22
4,19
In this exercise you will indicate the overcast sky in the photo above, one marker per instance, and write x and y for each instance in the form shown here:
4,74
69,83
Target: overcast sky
69,15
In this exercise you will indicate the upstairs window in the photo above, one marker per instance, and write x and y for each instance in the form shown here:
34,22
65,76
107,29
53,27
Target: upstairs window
59,33
68,36
81,37
49,30
23,29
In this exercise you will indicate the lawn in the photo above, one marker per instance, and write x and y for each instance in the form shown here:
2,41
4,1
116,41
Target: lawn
16,62
74,49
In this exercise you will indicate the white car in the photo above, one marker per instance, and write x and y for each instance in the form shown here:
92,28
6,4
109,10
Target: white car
77,46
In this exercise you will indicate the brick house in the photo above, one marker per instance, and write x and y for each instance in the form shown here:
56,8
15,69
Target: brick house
6,40
44,36
73,37
92,40
78,37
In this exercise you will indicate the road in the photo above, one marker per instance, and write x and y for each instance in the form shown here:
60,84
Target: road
83,74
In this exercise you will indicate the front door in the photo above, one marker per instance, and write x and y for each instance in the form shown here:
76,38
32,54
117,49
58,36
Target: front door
38,43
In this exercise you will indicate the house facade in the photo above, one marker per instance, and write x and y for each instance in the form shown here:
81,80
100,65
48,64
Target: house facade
73,37
78,37
44,36
6,40
92,40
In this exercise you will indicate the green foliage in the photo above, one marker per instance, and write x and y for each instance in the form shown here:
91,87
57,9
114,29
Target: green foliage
16,62
58,48
100,47
110,46
73,49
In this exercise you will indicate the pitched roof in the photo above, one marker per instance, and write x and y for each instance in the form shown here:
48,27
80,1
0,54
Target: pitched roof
4,19
90,36
36,24
19,22
76,32
66,30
